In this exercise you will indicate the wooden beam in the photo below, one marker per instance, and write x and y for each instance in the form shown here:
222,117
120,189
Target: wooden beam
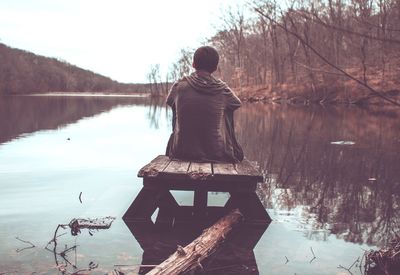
190,257
224,169
226,184
249,169
154,167
200,171
200,202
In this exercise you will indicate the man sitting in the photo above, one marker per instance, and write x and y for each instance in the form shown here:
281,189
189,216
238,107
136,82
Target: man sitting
203,106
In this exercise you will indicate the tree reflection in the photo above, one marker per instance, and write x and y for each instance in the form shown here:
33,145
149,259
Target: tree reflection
156,110
234,256
350,190
27,114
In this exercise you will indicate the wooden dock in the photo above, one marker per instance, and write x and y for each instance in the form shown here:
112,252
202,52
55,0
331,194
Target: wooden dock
162,175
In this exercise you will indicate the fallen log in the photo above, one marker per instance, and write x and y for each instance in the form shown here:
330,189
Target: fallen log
190,257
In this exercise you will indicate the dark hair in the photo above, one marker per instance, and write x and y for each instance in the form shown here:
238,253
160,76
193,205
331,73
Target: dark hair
206,58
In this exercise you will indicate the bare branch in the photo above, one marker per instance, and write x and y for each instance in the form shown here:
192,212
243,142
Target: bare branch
27,242
259,11
323,23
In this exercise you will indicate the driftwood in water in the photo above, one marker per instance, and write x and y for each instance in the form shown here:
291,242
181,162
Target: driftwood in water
385,260
92,224
190,257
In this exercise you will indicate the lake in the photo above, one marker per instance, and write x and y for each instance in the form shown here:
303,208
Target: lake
332,182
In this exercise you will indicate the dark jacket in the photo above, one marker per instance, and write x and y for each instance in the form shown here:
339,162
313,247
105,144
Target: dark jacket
203,128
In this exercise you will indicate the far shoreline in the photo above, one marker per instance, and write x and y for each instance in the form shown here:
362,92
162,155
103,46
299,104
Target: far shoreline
299,96
84,94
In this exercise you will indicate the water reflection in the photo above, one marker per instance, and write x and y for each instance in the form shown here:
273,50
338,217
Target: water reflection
156,110
352,191
235,256
28,114
324,190
335,170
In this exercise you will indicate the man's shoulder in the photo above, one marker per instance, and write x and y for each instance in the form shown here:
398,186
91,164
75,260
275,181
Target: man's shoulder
175,90
180,84
228,91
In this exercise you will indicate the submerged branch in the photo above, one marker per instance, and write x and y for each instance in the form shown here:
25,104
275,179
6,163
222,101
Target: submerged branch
313,258
75,226
27,242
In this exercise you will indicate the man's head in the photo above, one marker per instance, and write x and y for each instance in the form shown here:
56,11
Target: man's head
206,58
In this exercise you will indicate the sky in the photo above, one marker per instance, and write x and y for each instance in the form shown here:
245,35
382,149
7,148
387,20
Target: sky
120,39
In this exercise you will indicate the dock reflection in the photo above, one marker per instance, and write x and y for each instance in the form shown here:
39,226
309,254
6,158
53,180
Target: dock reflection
234,256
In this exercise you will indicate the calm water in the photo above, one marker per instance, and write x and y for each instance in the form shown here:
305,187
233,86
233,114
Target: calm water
332,182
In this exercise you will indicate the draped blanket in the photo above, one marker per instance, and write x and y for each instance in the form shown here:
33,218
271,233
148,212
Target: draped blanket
203,124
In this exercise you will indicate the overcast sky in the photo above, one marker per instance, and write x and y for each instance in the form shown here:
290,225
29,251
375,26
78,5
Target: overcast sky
119,39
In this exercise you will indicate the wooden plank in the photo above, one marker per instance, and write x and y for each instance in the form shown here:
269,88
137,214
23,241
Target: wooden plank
246,168
228,172
164,168
189,257
176,167
224,169
199,171
154,167
222,183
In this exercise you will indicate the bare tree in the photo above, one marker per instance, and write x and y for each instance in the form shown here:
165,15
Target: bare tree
313,45
154,79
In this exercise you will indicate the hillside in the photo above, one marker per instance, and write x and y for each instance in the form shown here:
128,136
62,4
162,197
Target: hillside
23,72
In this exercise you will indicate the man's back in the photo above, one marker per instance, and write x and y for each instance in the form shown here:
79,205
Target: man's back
203,120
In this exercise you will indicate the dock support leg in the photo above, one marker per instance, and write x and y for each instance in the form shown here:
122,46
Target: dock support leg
200,203
147,201
167,208
250,205
143,206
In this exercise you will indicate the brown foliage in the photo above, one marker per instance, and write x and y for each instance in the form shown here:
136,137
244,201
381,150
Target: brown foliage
316,46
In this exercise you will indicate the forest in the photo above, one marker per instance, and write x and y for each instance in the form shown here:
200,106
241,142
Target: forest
336,51
22,72
298,51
